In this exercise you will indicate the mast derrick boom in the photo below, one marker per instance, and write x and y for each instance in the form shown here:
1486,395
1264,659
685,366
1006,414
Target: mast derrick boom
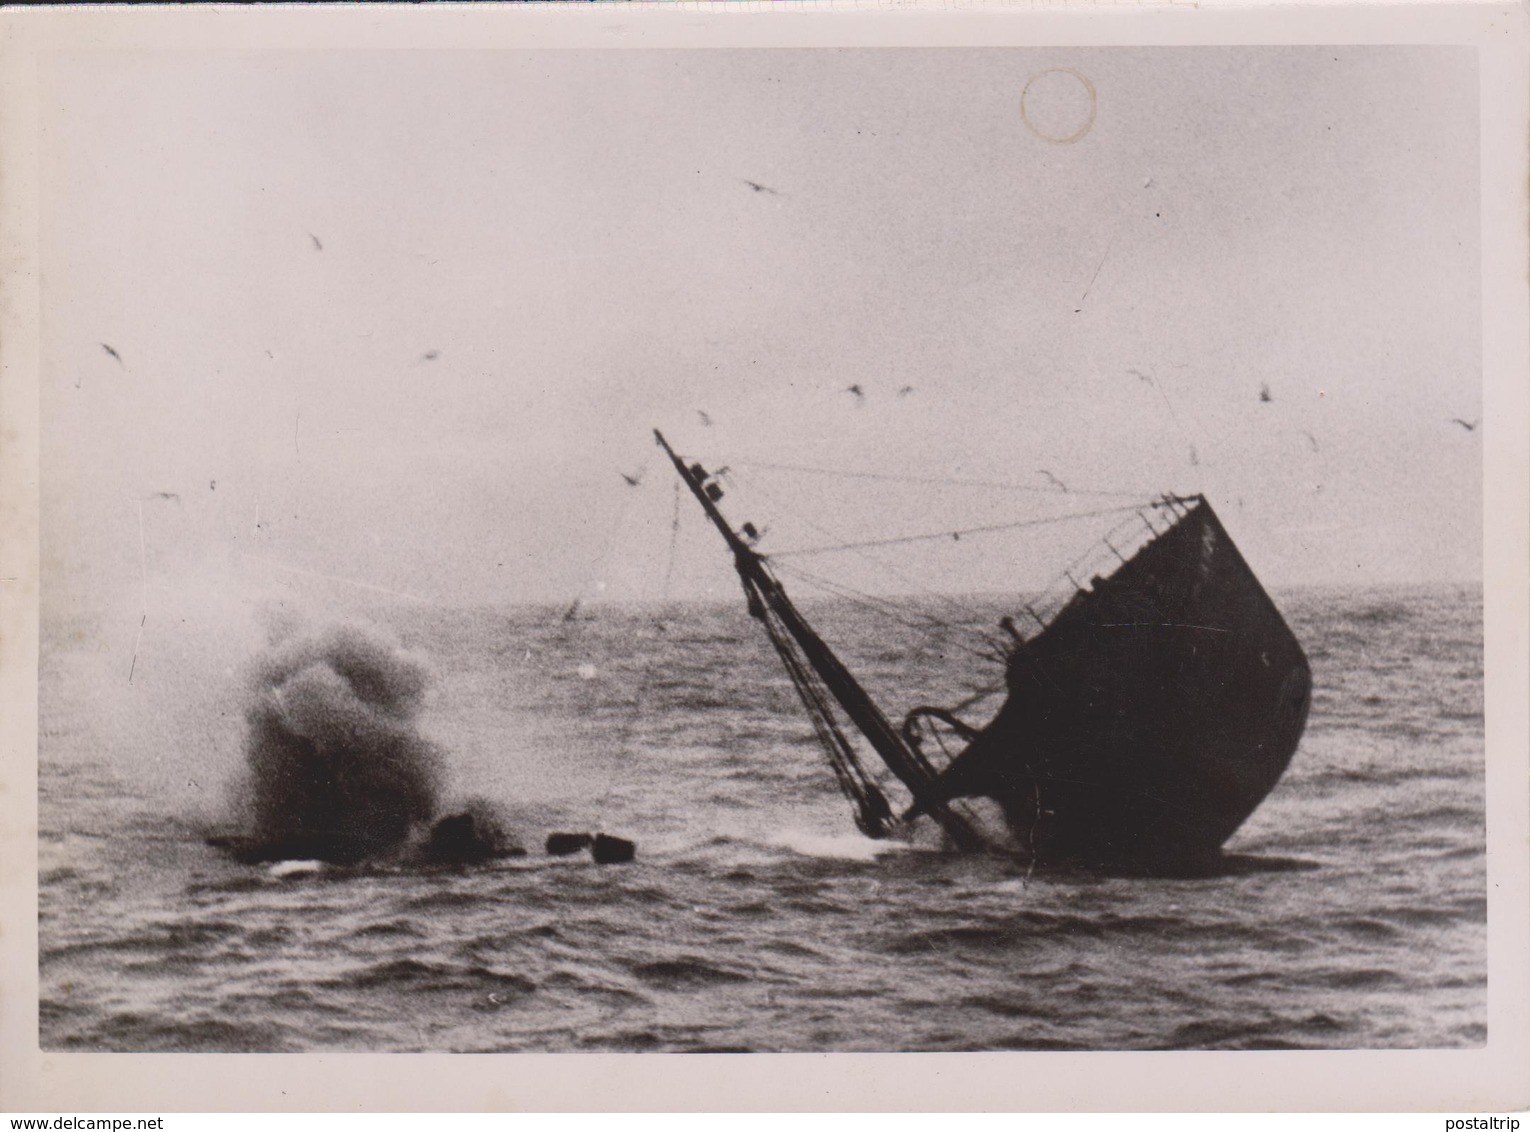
815,669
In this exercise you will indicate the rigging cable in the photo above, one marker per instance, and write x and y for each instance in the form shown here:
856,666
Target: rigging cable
597,564
977,694
1016,525
872,809
637,705
893,613
674,539
991,647
988,640
933,480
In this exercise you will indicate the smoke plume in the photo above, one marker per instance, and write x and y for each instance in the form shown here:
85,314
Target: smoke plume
337,769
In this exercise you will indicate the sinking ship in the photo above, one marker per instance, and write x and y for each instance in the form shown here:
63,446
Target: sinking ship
1148,709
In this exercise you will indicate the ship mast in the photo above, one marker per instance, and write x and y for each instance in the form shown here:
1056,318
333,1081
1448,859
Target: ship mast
767,599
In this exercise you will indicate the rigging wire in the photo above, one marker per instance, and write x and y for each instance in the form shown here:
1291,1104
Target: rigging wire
598,563
909,618
992,648
872,810
1016,525
903,617
874,560
674,540
637,705
934,480
988,639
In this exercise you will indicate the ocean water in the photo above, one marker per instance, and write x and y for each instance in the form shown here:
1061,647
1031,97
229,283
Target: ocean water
754,917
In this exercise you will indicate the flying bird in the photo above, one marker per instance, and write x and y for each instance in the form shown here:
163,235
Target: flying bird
1311,440
632,481
1140,376
905,391
706,421
166,495
114,354
1043,472
430,355
318,247
759,188
857,390
1264,393
1469,426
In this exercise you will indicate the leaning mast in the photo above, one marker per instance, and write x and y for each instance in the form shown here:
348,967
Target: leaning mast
766,594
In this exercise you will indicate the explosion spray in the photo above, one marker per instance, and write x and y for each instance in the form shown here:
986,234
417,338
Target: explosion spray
338,770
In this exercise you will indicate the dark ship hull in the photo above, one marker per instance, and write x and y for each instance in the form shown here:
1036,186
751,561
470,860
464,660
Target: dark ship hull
1145,721
1151,716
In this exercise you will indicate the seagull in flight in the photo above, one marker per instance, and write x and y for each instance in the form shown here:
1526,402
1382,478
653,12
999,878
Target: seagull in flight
1469,426
905,391
706,421
1264,393
759,188
114,354
318,247
430,355
1043,472
632,481
858,391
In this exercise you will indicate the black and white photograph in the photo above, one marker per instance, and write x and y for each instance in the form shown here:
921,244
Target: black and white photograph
839,548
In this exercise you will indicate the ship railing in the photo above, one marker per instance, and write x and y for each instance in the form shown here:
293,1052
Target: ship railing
1098,562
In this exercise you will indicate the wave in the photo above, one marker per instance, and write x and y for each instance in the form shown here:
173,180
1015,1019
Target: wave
423,975
755,907
199,1034
1235,1035
689,971
391,929
1382,613
1363,978
836,847
156,939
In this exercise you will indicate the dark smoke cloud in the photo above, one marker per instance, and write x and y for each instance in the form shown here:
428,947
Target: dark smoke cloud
337,769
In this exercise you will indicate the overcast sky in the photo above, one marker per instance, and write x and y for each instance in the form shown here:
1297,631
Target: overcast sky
403,318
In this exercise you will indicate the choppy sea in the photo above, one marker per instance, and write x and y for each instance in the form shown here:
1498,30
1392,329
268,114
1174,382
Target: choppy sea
754,917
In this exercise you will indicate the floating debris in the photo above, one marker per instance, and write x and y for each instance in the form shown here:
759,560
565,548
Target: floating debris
605,849
471,837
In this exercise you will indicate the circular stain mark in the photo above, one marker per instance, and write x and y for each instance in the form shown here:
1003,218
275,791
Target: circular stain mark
1059,105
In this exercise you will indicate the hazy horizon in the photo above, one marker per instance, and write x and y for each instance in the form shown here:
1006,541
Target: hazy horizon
405,320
